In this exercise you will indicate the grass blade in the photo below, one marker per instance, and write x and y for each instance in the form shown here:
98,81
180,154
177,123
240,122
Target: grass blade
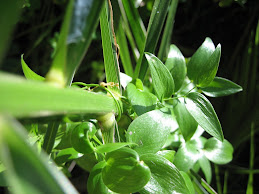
109,48
155,26
22,98
27,171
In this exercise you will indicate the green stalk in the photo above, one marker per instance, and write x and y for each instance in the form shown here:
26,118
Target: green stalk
219,188
50,137
250,189
225,187
169,26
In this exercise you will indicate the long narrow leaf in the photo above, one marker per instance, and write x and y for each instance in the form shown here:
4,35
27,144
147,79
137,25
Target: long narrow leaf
21,97
155,26
109,48
27,171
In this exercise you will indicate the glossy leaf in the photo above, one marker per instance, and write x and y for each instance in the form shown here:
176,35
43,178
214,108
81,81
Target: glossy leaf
95,182
165,177
110,147
141,101
27,171
87,161
162,79
21,97
221,87
175,63
29,74
186,122
186,156
203,112
203,65
188,182
167,154
150,131
217,151
206,168
66,155
124,172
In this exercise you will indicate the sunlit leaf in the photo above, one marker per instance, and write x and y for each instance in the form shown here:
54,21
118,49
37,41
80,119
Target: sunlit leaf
188,182
162,79
109,147
203,112
66,155
221,87
175,63
206,168
165,177
150,131
217,151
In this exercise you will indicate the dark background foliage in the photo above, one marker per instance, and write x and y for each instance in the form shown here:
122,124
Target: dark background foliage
232,24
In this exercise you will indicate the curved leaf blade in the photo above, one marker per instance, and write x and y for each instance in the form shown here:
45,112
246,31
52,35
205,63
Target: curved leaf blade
221,87
217,151
203,112
110,147
150,131
28,73
175,63
165,177
162,79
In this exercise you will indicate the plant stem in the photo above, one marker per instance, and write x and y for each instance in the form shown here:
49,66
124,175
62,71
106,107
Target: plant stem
50,136
225,187
219,188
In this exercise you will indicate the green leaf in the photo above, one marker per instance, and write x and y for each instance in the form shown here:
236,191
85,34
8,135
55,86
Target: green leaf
84,21
155,25
109,49
175,63
203,112
21,97
203,65
167,154
206,168
141,101
124,172
221,87
150,131
136,24
187,155
27,171
109,147
66,155
165,177
29,74
95,182
217,151
186,122
188,182
162,79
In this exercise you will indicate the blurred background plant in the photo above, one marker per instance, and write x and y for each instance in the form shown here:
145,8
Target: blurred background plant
233,23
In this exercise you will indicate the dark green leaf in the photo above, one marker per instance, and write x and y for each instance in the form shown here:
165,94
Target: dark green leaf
95,182
124,172
66,155
109,147
175,63
203,112
27,171
141,101
162,79
165,177
203,65
155,25
29,74
188,182
186,156
217,151
186,122
21,97
221,87
206,168
150,131
87,161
